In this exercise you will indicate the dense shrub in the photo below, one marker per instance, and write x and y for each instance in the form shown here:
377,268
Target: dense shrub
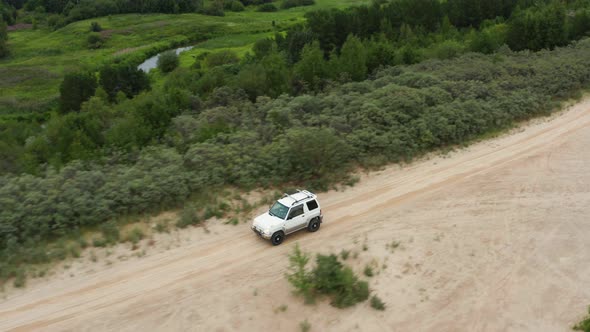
75,89
400,113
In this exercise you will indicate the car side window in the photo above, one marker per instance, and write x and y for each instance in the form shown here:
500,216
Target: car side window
312,205
296,211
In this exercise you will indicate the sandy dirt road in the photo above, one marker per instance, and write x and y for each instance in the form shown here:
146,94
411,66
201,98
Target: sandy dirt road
495,237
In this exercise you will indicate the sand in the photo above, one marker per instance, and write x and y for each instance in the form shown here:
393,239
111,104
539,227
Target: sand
493,237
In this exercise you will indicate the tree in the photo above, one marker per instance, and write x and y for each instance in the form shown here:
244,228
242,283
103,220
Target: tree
3,39
277,74
263,47
579,25
168,61
95,27
353,59
123,78
94,40
516,37
312,67
294,42
236,6
538,27
75,89
252,79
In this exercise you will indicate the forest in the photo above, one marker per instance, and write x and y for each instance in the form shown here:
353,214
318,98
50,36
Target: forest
304,107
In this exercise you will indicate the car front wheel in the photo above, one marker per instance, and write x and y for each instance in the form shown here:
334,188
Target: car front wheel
314,225
277,238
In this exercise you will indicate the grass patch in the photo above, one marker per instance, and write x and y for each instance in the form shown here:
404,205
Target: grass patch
74,250
305,326
344,254
281,308
20,278
368,271
135,235
188,216
110,232
162,227
233,221
392,246
99,242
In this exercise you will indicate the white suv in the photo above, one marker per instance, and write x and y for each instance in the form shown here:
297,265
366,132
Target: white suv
288,215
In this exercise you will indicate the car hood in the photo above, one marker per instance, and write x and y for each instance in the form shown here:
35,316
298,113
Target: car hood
265,221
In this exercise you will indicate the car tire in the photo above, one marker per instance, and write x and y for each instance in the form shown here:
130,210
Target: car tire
277,238
314,225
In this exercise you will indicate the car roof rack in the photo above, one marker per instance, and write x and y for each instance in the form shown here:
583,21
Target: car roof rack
305,192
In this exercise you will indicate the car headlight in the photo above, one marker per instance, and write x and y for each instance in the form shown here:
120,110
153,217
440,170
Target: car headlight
267,231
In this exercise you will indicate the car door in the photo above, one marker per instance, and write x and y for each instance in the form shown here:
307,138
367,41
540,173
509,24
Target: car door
296,219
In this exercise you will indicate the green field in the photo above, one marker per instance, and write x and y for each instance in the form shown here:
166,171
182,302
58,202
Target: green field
30,77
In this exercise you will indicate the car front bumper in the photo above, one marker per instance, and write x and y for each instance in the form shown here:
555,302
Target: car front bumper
260,233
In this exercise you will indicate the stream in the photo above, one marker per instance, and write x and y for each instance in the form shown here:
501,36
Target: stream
152,62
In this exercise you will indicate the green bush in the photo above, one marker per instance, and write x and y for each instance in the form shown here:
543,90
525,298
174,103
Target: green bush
299,277
74,250
162,227
94,40
75,89
376,303
305,326
344,254
95,27
584,325
99,242
168,61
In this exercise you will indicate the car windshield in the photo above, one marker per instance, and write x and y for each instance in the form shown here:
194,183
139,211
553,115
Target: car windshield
278,210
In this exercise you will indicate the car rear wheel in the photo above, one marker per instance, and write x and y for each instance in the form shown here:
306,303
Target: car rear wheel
314,225
277,238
